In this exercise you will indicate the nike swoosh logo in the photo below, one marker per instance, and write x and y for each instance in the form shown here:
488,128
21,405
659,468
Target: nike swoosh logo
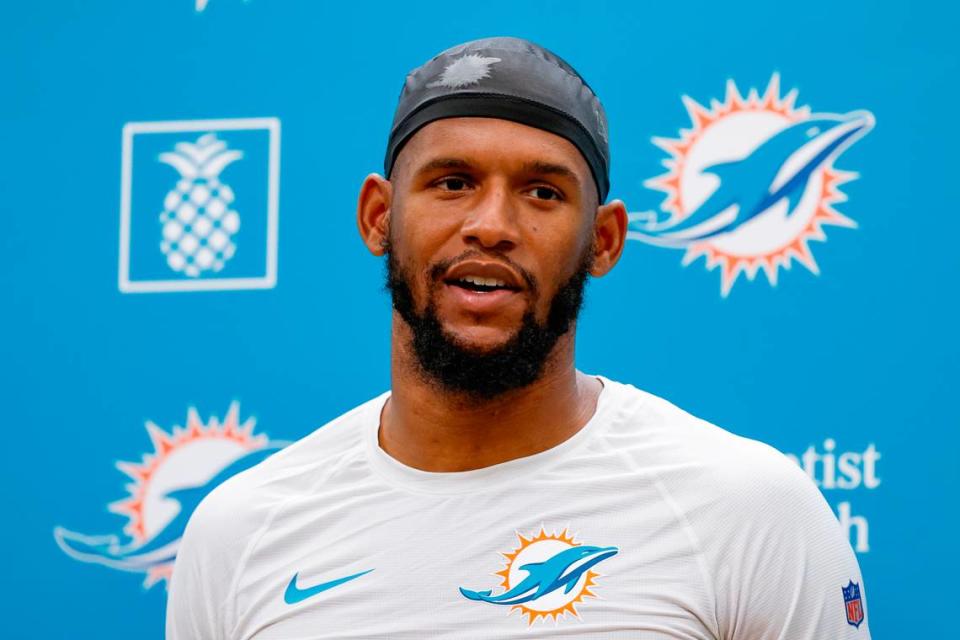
294,594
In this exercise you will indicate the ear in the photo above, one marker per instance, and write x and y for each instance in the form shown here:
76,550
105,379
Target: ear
609,235
373,213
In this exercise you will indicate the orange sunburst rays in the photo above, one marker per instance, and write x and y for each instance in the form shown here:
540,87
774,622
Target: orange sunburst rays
165,444
525,543
770,260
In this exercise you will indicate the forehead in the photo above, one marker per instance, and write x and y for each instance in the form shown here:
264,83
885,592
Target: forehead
489,143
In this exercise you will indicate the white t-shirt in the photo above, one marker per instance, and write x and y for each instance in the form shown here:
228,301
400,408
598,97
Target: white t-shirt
646,524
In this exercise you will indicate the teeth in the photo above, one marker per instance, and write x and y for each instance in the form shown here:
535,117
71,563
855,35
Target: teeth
484,282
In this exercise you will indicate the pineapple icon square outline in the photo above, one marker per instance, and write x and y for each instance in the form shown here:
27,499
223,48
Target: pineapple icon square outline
196,221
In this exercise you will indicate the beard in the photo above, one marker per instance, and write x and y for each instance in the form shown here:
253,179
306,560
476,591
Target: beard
483,374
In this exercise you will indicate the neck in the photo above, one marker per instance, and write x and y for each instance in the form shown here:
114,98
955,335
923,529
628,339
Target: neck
430,428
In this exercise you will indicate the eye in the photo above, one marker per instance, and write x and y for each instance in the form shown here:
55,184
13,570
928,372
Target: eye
541,192
452,183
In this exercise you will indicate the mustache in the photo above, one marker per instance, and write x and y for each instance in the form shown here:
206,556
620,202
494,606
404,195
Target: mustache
436,271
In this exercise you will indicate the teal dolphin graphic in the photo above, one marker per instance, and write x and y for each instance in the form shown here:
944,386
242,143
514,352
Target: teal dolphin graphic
162,547
778,169
564,569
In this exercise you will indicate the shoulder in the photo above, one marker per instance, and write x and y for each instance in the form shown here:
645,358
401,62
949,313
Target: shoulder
705,467
243,502
770,545
227,522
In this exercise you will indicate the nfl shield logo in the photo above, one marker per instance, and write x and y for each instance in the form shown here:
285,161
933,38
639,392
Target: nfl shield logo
854,604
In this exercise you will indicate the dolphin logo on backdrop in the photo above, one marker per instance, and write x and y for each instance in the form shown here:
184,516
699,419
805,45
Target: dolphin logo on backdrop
751,183
202,4
186,464
546,576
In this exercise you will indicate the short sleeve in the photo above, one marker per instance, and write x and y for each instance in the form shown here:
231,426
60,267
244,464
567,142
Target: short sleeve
782,566
198,604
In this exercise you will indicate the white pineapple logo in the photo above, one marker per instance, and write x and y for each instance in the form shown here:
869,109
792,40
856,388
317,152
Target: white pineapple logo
198,223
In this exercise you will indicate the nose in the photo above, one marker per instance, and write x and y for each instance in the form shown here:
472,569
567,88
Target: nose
492,223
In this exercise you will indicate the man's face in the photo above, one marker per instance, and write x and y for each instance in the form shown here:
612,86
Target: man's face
490,220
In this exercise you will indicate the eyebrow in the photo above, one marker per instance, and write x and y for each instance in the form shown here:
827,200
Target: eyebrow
444,163
538,167
551,169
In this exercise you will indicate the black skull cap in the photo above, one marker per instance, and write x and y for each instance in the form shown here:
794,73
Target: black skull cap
511,79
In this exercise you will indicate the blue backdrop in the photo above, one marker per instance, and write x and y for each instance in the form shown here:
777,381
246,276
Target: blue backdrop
852,371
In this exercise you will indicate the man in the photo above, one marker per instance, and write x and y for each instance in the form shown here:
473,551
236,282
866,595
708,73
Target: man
497,492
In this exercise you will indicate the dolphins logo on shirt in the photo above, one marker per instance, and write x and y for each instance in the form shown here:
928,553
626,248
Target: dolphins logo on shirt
751,183
546,576
168,484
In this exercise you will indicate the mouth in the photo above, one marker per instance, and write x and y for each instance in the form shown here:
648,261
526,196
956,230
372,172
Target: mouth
480,276
483,287
480,284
